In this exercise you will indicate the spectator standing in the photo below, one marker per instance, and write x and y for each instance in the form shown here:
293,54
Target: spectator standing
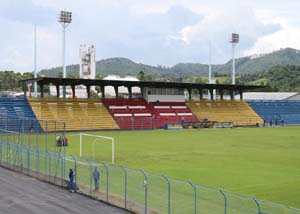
96,175
71,177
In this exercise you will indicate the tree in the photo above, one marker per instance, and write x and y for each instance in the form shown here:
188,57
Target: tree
141,76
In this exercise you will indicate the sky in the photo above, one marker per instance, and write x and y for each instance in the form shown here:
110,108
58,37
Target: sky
156,32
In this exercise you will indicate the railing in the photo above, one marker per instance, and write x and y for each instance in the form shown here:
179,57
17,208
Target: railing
132,189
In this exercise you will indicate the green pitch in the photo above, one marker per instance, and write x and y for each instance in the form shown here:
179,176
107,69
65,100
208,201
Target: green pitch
260,162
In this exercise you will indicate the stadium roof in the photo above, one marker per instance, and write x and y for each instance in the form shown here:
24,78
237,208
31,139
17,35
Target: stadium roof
150,84
268,95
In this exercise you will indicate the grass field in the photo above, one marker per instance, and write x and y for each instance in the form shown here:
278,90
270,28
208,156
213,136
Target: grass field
261,162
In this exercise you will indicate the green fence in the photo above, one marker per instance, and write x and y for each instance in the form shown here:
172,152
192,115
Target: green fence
135,190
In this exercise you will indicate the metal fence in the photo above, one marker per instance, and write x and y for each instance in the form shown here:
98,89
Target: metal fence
134,190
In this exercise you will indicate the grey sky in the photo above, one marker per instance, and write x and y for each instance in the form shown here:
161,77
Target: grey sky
152,32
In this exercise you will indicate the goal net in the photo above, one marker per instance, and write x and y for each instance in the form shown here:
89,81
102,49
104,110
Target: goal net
97,147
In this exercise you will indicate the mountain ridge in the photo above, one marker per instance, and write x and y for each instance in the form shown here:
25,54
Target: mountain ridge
248,64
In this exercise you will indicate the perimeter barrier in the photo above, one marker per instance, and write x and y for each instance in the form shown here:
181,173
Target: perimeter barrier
132,189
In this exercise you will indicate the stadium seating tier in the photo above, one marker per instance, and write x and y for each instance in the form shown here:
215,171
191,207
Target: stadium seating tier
277,111
78,114
237,112
138,114
13,108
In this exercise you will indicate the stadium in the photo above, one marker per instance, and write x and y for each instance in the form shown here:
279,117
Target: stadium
124,145
156,148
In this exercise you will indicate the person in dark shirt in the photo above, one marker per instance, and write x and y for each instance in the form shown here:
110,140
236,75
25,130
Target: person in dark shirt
71,177
96,175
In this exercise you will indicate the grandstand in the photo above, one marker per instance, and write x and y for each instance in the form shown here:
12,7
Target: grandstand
18,108
277,111
159,103
138,114
78,114
237,112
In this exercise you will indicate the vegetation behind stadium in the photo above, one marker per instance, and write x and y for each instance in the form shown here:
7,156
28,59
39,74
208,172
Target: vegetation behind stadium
279,71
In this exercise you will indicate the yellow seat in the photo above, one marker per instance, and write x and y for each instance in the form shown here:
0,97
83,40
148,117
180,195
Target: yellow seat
77,114
236,111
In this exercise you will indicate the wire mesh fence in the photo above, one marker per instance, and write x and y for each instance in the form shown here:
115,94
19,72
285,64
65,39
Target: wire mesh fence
131,189
27,146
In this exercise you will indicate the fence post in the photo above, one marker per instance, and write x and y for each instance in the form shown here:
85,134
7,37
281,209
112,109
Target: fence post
45,165
225,201
169,193
19,150
14,152
49,166
46,147
257,204
146,190
28,160
195,196
125,193
8,153
91,175
55,158
64,153
37,162
106,167
62,169
0,151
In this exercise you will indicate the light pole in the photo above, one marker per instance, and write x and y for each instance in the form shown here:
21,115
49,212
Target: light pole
35,64
235,38
65,19
209,69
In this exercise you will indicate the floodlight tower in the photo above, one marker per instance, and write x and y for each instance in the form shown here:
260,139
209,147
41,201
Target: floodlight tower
64,19
35,64
209,66
235,38
209,69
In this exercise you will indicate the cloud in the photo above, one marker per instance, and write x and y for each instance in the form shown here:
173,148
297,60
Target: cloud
153,32
26,11
288,36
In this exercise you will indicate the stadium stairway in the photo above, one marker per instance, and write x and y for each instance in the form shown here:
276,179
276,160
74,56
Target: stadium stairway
17,115
138,114
78,114
237,112
276,111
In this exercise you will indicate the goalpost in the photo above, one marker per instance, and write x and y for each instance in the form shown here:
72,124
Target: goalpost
97,138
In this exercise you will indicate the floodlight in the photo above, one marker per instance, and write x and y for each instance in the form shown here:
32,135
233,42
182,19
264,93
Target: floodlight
235,39
64,18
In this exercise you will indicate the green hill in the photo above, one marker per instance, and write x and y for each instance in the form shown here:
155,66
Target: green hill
251,64
121,66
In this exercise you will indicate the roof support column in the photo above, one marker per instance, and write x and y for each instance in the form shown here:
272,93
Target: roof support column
102,91
221,94
231,94
130,91
211,92
200,93
57,91
88,91
190,93
24,89
116,91
142,91
42,89
73,91
241,94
